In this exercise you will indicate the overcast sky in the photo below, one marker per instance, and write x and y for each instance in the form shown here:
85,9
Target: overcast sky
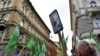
45,7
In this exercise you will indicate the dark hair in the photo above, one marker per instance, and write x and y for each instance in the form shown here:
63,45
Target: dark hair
85,49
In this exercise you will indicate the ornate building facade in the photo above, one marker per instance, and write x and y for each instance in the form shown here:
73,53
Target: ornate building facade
22,11
73,25
87,18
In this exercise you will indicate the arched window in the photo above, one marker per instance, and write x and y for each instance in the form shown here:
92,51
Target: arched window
6,4
93,4
4,16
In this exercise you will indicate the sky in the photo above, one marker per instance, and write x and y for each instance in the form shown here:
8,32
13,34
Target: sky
45,7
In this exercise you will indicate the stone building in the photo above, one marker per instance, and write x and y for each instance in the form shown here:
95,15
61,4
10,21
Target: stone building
22,11
73,24
86,19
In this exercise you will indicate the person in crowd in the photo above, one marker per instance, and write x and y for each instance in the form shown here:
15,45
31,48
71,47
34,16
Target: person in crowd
86,47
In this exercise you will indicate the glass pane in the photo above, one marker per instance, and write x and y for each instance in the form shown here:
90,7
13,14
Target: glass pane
3,16
93,4
9,2
97,23
1,32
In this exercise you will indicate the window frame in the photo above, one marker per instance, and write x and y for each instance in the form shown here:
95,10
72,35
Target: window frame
4,16
96,22
93,3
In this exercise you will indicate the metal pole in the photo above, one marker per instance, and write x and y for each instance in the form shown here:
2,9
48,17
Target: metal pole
62,44
21,51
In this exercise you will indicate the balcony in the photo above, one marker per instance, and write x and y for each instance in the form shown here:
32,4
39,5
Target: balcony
93,9
96,31
85,35
7,9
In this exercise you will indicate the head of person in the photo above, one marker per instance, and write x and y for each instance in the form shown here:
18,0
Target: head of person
86,48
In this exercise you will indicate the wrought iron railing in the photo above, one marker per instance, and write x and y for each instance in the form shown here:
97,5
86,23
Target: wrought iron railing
91,9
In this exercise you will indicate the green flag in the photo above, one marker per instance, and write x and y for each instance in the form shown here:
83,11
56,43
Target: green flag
60,49
60,53
30,45
64,40
38,47
92,37
13,42
98,47
44,47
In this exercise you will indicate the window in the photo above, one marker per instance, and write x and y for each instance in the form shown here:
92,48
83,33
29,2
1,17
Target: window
30,29
4,16
21,22
93,4
21,38
4,5
9,2
1,33
96,23
24,9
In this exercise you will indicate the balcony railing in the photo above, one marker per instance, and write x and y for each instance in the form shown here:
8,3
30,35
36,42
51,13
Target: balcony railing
92,9
96,31
7,9
85,35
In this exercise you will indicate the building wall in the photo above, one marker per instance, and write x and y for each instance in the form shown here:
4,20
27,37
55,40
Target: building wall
53,49
83,14
86,13
23,12
73,24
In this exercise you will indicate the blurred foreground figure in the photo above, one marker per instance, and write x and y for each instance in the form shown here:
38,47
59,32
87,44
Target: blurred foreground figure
86,47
